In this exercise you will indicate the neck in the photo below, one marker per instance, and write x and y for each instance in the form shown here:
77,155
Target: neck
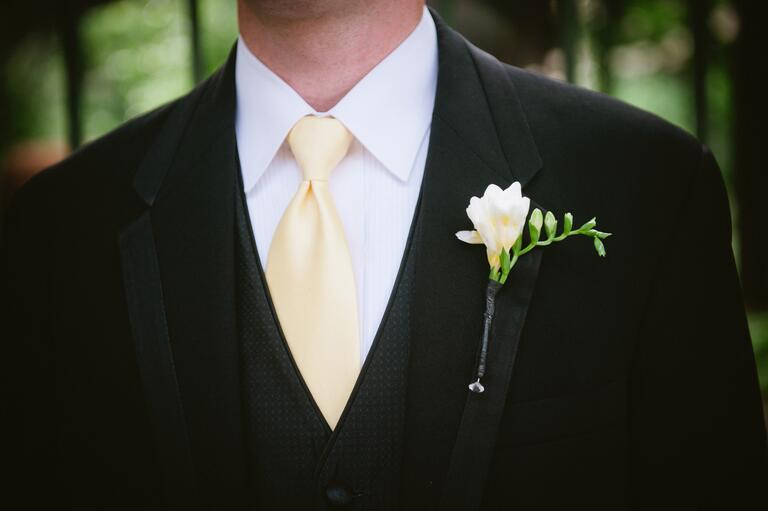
322,51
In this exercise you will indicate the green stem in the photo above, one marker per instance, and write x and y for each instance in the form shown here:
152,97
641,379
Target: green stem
517,252
512,261
549,241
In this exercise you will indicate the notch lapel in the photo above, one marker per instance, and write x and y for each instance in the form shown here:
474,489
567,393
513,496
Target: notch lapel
479,136
178,259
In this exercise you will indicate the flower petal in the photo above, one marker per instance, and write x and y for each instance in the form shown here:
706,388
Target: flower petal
471,237
477,211
492,191
514,190
494,258
489,236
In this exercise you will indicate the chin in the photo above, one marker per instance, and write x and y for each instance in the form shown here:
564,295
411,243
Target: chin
297,9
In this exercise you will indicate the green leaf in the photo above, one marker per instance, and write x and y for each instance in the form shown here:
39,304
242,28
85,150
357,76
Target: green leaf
567,224
504,262
550,224
599,247
600,234
518,244
534,225
587,226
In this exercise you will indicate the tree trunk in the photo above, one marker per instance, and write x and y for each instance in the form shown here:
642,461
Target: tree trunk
698,12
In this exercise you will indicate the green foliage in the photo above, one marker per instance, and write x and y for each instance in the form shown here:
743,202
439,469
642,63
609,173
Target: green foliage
139,55
651,20
138,58
219,29
35,89
758,326
666,95
651,67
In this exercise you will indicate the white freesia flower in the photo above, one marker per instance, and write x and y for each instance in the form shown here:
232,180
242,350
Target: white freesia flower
499,218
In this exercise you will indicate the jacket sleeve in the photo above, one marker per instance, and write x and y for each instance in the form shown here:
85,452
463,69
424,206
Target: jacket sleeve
696,429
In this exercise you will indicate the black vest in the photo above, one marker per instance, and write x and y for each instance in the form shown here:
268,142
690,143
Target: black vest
295,460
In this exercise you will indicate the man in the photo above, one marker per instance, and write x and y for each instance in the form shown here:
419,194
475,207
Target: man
253,297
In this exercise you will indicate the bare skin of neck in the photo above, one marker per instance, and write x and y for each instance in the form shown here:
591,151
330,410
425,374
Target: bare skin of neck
322,48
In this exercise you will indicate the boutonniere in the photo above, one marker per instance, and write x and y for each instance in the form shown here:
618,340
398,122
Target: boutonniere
499,218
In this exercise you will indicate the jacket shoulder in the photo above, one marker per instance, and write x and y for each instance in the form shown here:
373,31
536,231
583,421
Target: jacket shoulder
548,101
102,163
577,130
607,139
104,168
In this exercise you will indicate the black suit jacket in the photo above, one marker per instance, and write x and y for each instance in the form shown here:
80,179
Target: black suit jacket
624,382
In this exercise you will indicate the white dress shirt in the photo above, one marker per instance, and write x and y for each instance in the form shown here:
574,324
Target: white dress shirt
375,188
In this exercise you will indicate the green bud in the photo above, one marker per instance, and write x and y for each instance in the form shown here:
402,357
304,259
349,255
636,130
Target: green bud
600,234
588,225
567,224
534,224
550,224
599,247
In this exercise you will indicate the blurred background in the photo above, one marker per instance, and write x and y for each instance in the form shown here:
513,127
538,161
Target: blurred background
72,70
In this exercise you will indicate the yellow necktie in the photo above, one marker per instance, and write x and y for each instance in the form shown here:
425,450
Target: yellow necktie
309,271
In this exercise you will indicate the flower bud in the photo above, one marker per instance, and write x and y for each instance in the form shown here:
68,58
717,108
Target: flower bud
534,225
567,223
599,247
550,224
587,226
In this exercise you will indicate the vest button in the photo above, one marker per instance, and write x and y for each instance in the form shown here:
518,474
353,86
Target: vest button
338,495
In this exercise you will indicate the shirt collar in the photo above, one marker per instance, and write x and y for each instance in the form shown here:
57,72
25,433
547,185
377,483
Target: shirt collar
388,111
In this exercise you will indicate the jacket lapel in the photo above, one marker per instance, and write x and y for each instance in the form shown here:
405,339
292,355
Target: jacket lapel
178,259
479,136
179,277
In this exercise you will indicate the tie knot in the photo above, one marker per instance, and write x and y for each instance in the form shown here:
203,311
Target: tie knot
318,144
